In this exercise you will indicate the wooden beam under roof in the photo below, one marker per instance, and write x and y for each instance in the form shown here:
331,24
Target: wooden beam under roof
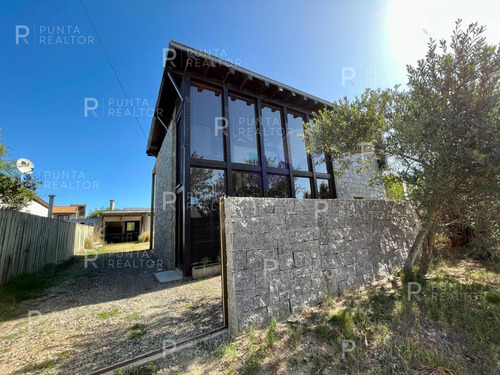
263,88
247,78
230,71
276,91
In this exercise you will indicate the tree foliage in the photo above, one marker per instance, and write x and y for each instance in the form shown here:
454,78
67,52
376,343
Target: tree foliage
96,212
16,190
440,136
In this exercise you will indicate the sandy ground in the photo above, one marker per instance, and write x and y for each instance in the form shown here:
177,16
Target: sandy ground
104,314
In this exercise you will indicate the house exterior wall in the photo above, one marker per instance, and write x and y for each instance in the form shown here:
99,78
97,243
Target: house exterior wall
353,184
164,221
146,223
35,208
284,254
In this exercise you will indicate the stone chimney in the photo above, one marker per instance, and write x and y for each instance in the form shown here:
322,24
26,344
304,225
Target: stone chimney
111,204
51,205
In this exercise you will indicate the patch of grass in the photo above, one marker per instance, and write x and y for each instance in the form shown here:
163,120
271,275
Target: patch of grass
328,302
271,333
343,321
492,297
296,335
41,366
251,366
66,353
21,288
134,316
323,332
137,330
228,352
122,247
321,362
107,314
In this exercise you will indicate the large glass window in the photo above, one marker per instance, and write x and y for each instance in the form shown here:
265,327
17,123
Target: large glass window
273,137
207,140
302,187
297,145
320,164
323,188
243,130
278,186
207,186
247,184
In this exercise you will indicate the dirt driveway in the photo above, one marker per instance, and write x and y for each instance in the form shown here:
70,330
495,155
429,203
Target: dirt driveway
104,313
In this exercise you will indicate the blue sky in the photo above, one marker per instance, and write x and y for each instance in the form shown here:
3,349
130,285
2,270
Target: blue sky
330,49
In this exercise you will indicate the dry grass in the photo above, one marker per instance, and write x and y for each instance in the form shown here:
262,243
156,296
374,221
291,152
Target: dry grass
122,247
451,327
144,236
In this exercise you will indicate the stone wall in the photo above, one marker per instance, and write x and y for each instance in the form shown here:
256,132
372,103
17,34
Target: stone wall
353,184
285,254
164,216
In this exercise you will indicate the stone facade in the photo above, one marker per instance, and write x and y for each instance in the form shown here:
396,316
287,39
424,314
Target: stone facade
284,254
353,184
164,215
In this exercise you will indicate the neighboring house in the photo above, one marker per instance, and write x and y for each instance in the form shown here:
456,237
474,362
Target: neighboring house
220,129
73,211
37,207
93,221
124,225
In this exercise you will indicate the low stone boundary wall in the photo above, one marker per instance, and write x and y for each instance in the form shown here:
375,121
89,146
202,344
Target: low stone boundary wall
284,254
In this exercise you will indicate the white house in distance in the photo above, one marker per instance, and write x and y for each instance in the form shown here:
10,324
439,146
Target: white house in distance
36,207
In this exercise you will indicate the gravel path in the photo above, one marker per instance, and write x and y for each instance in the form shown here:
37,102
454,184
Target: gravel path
105,314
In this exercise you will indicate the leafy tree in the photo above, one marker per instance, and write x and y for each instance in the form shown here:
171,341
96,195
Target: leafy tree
16,190
96,212
440,136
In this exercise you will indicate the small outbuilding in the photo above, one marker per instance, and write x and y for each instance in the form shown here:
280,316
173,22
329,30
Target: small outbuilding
124,225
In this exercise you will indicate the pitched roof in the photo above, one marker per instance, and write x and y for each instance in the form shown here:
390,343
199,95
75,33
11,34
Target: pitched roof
199,64
42,202
64,209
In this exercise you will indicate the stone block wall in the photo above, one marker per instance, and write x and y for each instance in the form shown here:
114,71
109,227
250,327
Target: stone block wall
164,215
353,184
284,254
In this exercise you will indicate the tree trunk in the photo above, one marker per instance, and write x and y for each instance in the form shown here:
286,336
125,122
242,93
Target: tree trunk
429,246
415,250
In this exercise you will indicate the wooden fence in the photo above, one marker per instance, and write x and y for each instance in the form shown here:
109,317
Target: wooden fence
29,242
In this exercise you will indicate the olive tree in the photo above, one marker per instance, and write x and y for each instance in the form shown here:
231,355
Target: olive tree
440,135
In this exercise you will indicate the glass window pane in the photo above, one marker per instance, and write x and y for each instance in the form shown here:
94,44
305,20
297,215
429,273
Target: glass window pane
207,186
323,188
302,187
273,137
278,186
206,138
246,184
297,145
243,131
320,164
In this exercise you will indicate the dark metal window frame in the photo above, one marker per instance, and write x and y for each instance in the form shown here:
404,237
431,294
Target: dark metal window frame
227,165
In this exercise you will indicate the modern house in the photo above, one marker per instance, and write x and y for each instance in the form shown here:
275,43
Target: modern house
220,129
124,225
